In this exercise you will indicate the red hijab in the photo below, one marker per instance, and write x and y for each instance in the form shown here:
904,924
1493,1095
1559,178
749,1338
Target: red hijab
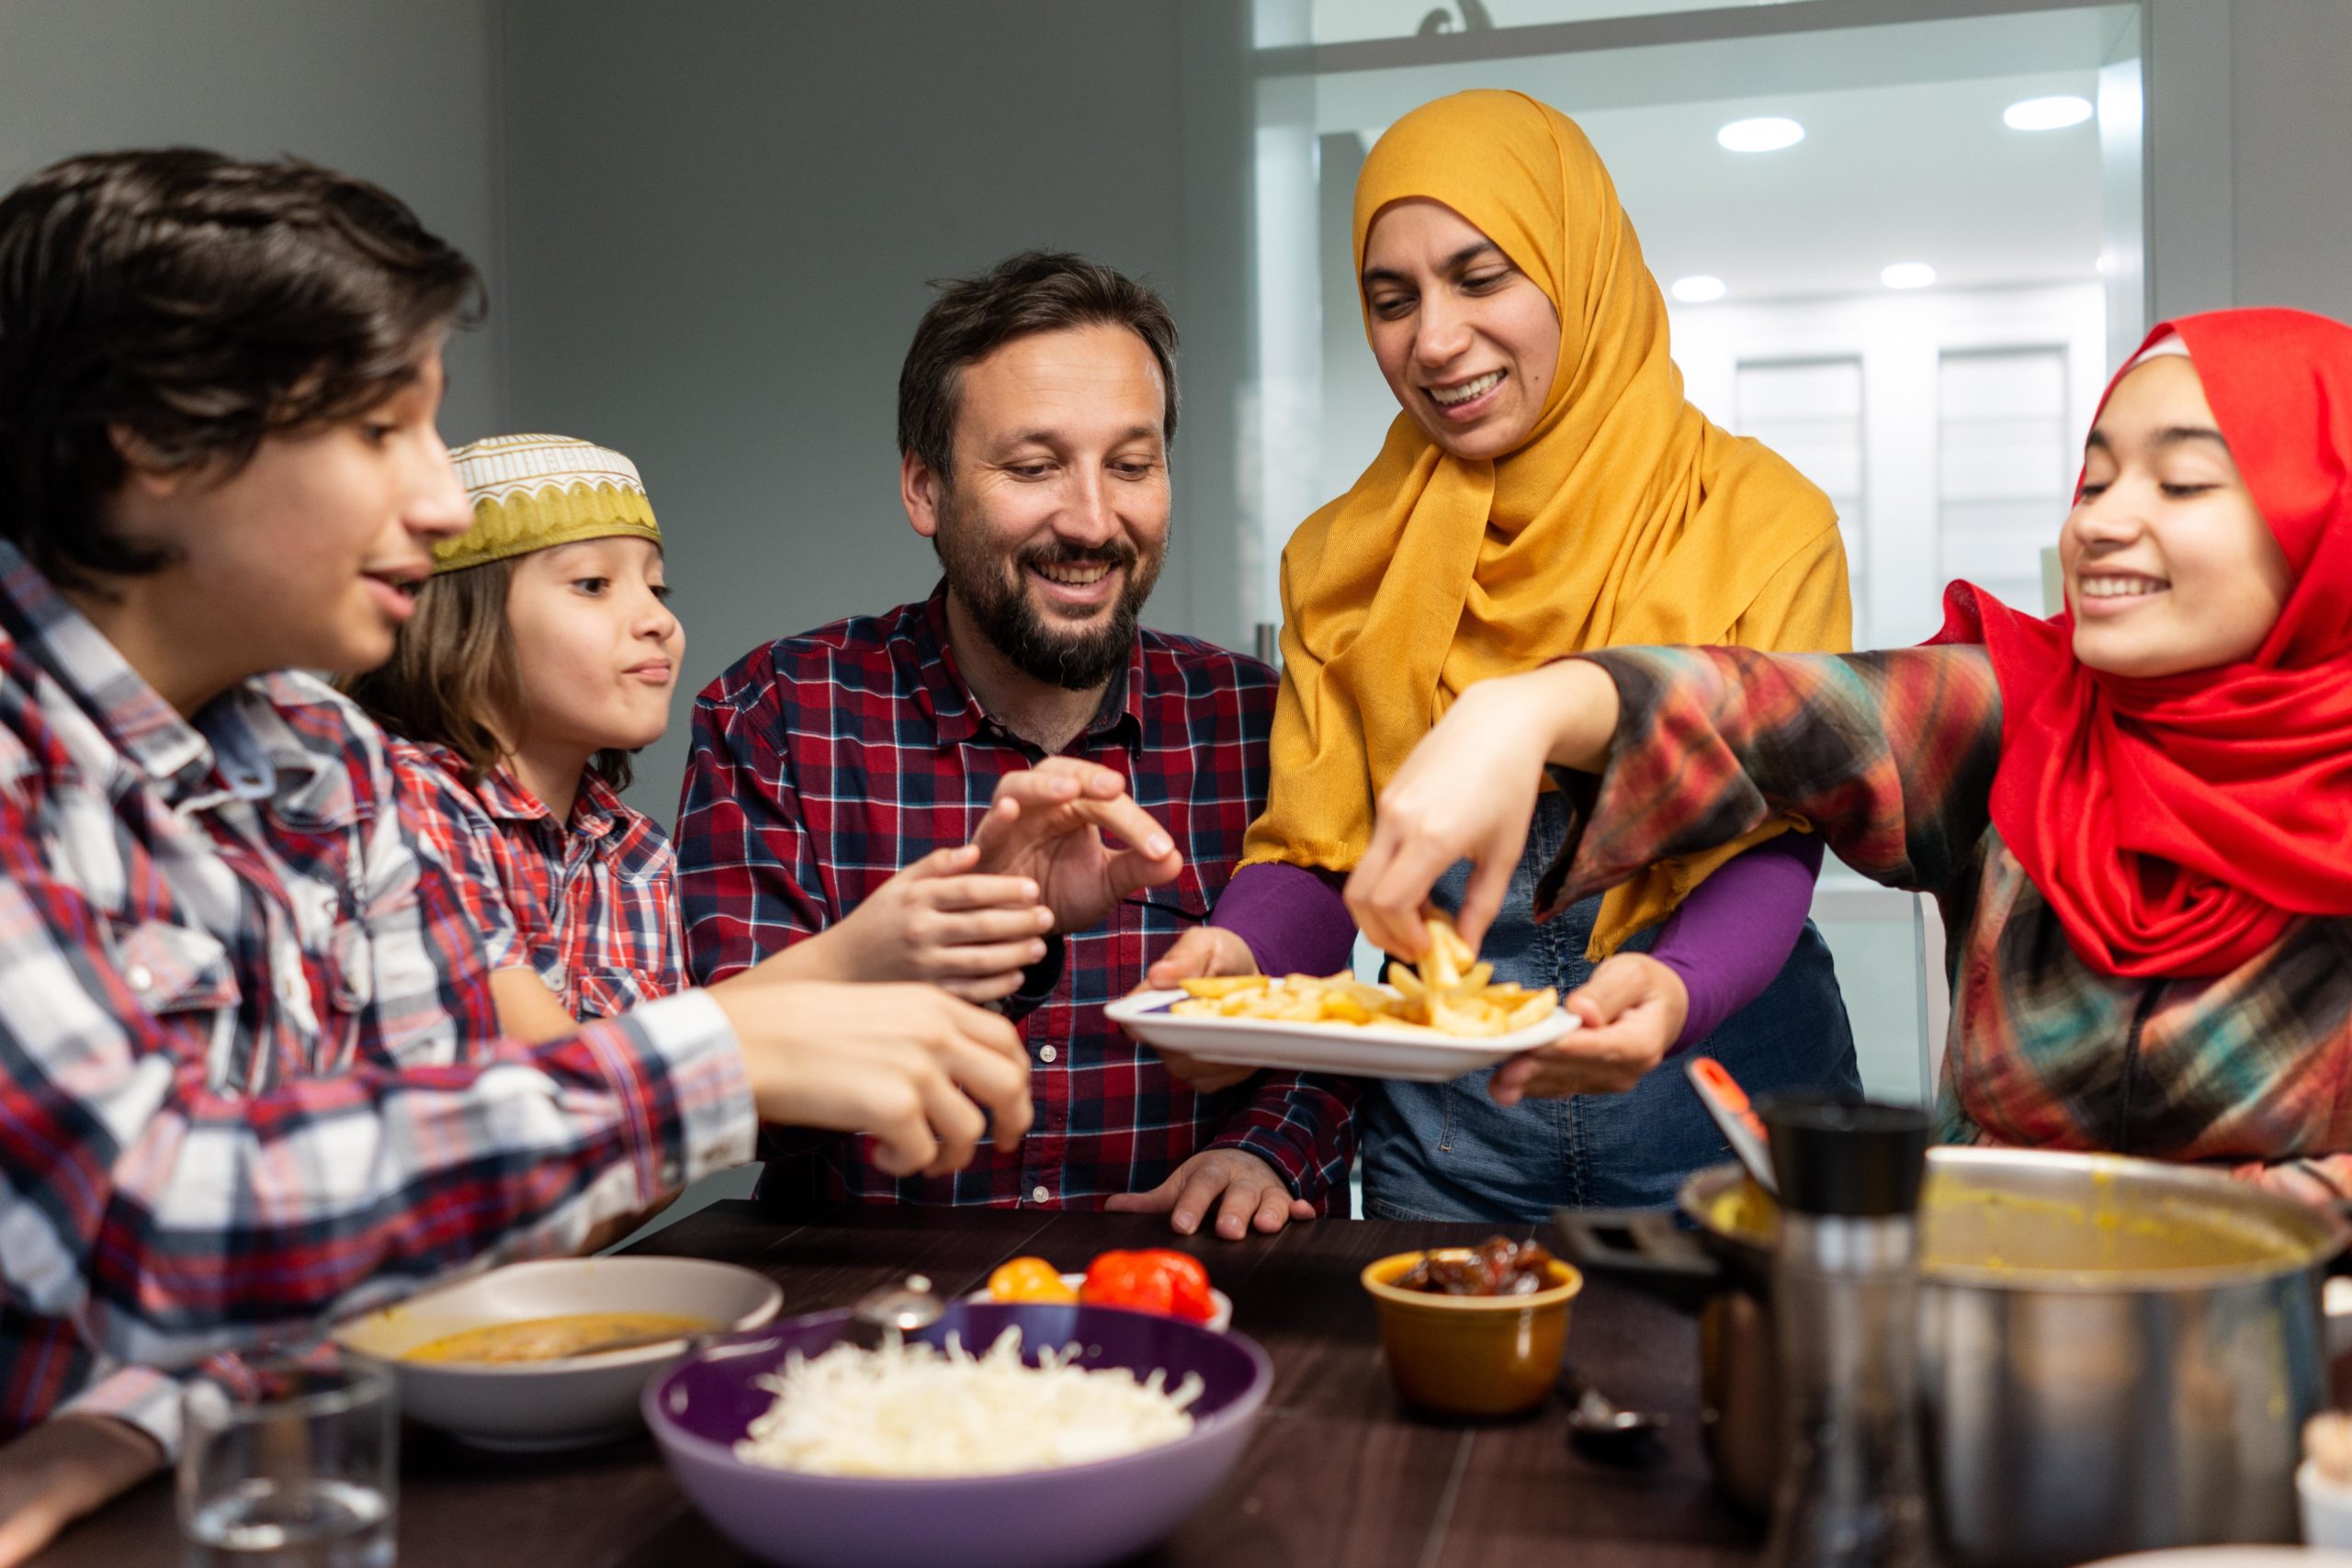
2180,824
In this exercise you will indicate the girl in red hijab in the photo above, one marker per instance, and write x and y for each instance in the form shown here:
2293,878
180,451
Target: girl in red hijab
2136,816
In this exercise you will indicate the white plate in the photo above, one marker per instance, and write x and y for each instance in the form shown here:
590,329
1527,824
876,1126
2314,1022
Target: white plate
528,1406
1364,1051
1220,1320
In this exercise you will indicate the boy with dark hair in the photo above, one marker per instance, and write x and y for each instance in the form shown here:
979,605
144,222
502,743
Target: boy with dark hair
249,1069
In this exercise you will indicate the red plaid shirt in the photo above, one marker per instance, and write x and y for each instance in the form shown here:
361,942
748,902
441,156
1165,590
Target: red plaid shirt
591,908
824,763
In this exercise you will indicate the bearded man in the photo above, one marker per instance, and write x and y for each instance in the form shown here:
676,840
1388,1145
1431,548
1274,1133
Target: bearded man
933,793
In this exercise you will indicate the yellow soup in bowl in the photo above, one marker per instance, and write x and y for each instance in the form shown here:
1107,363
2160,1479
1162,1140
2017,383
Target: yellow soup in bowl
552,1339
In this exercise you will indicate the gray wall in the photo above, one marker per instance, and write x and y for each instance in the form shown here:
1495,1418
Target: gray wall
2291,153
716,261
398,91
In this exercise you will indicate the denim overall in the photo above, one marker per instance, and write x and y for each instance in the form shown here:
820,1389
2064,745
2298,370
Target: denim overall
1448,1152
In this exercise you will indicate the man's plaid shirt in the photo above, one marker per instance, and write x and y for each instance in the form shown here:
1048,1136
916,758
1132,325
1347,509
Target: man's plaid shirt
590,906
823,765
248,1070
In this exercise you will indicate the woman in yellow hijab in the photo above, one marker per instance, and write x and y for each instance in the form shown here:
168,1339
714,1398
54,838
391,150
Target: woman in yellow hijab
1546,489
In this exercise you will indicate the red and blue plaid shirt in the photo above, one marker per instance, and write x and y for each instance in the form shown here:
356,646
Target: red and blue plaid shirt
590,907
824,763
249,1075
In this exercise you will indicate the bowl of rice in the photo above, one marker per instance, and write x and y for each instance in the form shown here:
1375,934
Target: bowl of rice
1020,1435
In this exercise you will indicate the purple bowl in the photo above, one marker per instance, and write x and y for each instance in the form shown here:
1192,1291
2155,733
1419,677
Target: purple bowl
1046,1519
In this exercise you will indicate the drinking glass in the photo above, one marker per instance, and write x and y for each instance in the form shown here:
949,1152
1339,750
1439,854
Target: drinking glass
289,1460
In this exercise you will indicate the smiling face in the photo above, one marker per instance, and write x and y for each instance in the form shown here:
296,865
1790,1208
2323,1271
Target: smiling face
596,648
1054,526
307,558
1468,343
2168,563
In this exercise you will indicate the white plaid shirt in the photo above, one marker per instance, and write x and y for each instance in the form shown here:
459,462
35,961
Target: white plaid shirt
249,1076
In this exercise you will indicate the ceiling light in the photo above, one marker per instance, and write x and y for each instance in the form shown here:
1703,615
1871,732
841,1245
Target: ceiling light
1909,274
1768,134
1698,289
2047,114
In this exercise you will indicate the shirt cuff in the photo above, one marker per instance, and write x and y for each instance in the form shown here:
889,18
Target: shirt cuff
677,1071
1291,917
1730,936
137,1397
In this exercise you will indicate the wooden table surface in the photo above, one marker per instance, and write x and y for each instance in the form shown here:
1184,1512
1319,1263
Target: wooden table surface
1338,1473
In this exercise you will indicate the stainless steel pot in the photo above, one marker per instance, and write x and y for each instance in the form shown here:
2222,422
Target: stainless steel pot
2116,1355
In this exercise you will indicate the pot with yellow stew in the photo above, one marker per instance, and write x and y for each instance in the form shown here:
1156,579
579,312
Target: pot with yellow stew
2116,1354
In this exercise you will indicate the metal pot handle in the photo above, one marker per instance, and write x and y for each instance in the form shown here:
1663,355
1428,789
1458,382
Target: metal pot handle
1644,1247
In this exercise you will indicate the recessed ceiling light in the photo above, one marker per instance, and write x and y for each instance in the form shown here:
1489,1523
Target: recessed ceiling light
1768,134
2047,114
1909,274
1698,289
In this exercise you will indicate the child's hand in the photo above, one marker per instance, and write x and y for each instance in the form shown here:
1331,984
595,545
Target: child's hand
938,923
1632,1011
63,1468
925,1074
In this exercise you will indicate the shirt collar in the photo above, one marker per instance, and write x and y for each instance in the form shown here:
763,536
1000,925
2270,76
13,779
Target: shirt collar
956,715
597,813
241,733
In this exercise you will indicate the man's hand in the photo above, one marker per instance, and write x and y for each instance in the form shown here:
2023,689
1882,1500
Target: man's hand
63,1468
1244,1187
1047,824
1632,1011
1204,950
909,1063
936,921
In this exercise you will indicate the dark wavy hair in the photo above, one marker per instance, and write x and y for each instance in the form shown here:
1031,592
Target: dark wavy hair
452,678
192,305
1035,291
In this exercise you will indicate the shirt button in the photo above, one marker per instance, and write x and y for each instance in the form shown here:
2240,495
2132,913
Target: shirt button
1039,1195
669,1173
142,979
1047,1052
290,989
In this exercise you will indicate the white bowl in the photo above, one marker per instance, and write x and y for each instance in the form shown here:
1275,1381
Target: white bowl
532,1406
2327,1507
1219,1321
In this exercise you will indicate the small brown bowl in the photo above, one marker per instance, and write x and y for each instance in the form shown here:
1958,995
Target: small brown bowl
1470,1355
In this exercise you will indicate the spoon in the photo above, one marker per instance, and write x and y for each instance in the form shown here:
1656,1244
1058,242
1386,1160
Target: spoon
908,1308
1743,1129
1596,1419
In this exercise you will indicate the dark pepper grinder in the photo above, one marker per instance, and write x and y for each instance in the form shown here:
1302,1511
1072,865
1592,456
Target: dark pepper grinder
1845,1293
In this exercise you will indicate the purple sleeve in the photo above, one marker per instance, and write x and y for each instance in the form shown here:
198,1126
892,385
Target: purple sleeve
1292,919
1729,938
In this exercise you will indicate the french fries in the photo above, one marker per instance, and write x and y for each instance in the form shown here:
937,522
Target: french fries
1450,992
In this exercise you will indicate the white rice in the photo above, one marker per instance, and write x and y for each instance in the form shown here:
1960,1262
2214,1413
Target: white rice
911,1410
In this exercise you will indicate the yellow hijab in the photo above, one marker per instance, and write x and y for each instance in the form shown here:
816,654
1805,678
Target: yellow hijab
1624,518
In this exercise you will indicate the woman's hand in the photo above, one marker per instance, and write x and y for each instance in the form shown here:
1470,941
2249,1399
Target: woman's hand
1468,792
1202,951
1632,1012
925,1074
61,1469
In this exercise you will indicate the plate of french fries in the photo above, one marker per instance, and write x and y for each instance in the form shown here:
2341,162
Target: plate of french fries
1431,1022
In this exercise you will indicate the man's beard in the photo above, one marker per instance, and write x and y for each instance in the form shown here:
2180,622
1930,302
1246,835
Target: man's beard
994,591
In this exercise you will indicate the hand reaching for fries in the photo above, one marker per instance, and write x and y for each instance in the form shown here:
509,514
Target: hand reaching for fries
1449,992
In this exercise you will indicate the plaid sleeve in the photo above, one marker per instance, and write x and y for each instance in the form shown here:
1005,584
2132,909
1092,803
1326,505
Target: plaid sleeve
167,1220
445,817
1304,1125
748,882
1888,756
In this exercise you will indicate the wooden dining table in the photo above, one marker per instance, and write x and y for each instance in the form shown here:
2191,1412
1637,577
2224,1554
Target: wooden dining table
1339,1471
